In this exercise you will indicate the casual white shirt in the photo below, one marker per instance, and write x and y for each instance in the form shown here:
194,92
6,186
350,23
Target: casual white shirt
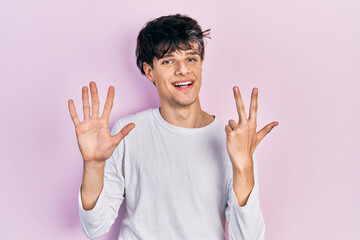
177,184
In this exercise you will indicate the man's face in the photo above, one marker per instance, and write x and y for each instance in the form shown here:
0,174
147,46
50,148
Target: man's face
177,77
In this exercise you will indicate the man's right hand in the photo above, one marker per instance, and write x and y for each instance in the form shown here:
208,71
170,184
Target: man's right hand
93,135
95,142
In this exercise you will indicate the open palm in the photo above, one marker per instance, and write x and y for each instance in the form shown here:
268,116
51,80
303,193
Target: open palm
93,134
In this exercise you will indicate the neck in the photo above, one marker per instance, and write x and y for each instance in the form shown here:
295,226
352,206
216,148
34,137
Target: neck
186,116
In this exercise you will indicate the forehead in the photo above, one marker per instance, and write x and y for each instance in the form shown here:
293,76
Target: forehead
188,48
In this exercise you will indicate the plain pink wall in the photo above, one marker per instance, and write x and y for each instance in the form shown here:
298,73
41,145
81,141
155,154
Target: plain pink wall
303,55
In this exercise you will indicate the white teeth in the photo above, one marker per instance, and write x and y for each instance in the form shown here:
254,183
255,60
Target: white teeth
182,84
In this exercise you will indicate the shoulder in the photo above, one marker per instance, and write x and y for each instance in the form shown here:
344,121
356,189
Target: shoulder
138,118
220,125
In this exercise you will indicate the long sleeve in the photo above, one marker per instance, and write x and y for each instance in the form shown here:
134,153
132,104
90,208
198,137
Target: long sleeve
245,223
97,221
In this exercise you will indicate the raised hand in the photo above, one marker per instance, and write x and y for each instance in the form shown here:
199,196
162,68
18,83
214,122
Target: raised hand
241,136
93,135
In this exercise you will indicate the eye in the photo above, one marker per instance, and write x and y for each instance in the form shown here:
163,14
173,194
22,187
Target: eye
167,62
192,60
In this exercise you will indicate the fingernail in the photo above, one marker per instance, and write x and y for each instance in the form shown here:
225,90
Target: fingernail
255,90
236,89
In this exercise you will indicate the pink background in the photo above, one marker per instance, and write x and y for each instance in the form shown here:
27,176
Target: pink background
303,55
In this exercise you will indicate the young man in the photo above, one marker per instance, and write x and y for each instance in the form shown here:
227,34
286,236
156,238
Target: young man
181,171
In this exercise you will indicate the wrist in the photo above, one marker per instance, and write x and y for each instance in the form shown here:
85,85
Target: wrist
242,163
243,171
94,166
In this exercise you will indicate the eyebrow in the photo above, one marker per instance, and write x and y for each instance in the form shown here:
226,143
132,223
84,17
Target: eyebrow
187,53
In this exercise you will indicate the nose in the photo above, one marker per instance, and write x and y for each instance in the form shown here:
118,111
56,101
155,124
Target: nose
182,68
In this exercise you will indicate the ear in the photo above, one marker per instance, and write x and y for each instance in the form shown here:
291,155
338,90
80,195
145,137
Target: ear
148,71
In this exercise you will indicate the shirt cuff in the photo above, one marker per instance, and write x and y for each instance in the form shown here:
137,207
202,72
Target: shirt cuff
252,201
95,211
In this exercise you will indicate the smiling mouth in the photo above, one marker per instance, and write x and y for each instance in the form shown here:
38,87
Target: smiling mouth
184,84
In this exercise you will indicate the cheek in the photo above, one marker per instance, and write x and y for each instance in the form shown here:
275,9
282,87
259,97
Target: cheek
163,80
198,72
198,68
164,74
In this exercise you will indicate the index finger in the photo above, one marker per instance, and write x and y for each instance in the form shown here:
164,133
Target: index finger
109,102
253,105
239,105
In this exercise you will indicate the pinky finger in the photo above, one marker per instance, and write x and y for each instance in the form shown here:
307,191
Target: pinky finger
73,113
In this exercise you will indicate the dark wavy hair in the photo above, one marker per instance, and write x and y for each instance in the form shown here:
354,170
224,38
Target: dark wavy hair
167,34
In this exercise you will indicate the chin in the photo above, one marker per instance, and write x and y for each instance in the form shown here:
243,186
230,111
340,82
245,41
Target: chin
185,103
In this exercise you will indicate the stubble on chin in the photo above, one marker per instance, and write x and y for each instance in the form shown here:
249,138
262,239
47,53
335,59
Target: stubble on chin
182,104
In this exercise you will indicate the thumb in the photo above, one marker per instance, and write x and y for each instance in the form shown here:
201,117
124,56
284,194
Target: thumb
265,130
123,132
